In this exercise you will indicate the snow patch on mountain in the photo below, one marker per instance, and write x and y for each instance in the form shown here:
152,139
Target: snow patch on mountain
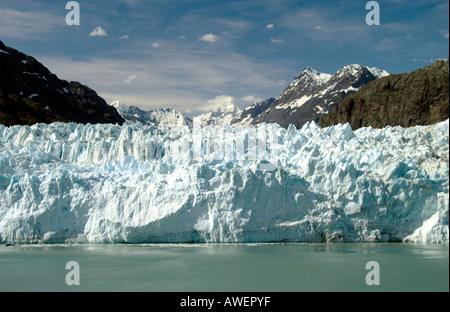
140,183
296,103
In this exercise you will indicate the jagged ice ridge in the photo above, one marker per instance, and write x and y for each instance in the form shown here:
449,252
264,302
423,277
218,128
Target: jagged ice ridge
68,182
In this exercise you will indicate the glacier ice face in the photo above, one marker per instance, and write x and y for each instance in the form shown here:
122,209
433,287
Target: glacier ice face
67,182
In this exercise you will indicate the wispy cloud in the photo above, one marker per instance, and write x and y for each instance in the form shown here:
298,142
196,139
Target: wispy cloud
131,2
26,25
184,81
321,25
130,79
98,32
273,40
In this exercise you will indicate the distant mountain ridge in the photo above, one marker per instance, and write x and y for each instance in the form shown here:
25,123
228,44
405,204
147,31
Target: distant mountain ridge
165,117
417,98
30,93
309,96
360,95
169,117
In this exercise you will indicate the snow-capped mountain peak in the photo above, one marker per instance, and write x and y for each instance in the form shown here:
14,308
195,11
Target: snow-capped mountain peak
318,77
167,117
379,73
120,107
354,69
303,86
222,115
310,95
308,79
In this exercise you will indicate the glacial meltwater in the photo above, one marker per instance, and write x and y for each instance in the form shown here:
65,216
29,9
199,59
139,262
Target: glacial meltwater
225,267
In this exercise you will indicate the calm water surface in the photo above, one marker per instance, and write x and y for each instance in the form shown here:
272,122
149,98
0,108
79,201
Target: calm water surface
225,268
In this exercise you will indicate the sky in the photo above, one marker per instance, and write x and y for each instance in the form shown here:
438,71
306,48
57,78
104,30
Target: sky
194,55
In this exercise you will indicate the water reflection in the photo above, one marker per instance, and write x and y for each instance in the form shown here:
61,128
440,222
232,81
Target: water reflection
226,267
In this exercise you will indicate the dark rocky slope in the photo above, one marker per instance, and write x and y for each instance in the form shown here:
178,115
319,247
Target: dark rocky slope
417,98
30,93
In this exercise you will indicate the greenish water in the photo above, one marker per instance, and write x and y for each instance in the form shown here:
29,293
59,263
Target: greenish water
225,268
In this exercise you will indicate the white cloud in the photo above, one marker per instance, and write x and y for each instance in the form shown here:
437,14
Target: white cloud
130,79
208,38
155,45
218,101
99,31
124,37
270,26
251,99
273,40
446,35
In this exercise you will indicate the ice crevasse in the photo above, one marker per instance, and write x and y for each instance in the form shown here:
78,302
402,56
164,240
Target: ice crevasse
68,182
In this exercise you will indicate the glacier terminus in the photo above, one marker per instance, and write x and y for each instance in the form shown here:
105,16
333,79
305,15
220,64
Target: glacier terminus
135,183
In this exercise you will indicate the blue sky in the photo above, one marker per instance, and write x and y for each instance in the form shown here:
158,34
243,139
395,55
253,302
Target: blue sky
191,54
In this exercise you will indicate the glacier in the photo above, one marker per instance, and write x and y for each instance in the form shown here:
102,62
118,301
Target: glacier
134,183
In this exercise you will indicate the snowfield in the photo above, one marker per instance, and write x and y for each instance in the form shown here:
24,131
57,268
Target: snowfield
67,182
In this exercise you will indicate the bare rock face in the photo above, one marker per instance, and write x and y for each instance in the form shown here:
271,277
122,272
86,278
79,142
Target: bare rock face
418,98
30,93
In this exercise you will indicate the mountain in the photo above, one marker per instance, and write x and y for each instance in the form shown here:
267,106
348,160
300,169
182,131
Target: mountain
416,98
309,96
167,117
223,115
249,114
30,93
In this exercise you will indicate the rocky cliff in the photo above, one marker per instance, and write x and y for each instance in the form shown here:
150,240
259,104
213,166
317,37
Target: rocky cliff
417,98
